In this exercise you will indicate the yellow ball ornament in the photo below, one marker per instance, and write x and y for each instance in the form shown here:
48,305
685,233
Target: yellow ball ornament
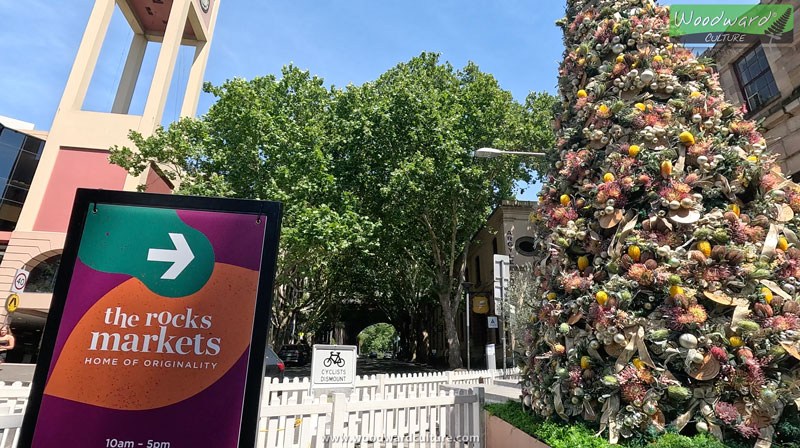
583,263
686,138
640,106
635,252
608,177
633,150
704,247
582,94
767,294
736,341
601,297
586,362
674,290
565,200
783,244
657,58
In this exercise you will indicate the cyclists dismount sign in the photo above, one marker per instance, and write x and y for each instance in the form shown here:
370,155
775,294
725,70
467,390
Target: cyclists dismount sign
333,367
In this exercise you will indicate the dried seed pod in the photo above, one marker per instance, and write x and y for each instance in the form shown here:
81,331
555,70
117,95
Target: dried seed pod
730,216
762,310
626,261
793,253
646,226
681,300
718,253
651,264
646,255
744,218
697,256
777,301
791,306
734,256
760,221
745,353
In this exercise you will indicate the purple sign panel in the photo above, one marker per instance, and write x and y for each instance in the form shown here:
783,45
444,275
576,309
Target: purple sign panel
157,329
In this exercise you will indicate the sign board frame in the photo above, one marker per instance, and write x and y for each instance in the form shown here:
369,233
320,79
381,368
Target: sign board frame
324,387
23,274
269,211
12,301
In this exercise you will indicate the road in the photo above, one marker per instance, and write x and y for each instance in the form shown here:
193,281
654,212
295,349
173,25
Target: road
367,366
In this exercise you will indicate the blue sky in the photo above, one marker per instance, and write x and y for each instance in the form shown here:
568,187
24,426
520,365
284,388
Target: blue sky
342,41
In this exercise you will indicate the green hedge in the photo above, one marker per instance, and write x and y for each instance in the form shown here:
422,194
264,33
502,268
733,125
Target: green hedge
558,434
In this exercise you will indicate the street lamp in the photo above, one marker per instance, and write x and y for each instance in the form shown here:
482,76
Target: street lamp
466,286
494,152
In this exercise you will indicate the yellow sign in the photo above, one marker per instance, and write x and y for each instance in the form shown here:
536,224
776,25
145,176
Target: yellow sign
12,303
480,305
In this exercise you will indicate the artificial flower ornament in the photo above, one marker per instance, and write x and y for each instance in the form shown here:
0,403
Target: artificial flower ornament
667,285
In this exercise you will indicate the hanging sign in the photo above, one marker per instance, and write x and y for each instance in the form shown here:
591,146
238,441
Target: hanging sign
480,305
12,302
20,280
158,324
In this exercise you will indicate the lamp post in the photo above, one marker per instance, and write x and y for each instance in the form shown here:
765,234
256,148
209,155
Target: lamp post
466,286
488,153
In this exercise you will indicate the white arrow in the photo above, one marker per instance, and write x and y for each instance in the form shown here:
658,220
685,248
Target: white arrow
180,257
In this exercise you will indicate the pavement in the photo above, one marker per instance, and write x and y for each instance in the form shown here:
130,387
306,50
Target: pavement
368,366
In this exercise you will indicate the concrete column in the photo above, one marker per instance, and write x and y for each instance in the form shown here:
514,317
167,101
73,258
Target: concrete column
86,59
165,66
130,74
195,81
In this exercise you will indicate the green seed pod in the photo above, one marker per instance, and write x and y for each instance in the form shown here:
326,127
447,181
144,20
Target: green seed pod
777,350
610,381
721,236
674,279
563,328
678,393
748,326
659,335
760,273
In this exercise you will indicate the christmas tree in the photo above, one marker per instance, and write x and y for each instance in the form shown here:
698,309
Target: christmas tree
666,296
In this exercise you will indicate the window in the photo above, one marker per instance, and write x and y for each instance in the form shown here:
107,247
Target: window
477,270
756,80
19,157
494,245
526,246
43,275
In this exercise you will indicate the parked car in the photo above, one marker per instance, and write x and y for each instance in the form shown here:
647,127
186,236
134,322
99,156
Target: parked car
373,355
274,365
295,354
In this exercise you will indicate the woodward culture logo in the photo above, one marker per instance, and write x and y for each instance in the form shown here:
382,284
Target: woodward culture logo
735,24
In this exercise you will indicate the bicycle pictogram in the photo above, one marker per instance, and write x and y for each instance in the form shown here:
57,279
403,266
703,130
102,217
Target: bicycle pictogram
334,358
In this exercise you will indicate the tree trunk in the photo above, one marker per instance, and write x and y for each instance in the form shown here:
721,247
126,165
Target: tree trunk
453,342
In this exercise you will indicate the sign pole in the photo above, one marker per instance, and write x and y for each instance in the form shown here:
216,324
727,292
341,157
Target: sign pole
501,262
503,312
466,289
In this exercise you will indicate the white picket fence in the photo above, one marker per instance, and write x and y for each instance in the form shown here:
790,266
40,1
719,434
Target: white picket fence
407,410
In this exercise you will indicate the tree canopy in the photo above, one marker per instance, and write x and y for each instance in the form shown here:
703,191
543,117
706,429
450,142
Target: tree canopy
381,192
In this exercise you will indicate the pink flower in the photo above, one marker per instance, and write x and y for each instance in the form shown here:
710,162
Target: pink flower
746,431
726,412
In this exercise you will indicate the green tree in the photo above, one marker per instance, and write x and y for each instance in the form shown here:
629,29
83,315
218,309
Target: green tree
377,338
266,139
404,143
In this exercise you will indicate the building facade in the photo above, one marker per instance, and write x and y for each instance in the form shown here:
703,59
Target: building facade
766,79
508,231
35,215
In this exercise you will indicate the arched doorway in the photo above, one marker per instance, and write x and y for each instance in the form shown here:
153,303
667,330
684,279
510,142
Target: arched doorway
42,278
378,341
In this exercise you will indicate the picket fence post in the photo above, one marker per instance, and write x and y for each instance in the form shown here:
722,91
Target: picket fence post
338,417
481,417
